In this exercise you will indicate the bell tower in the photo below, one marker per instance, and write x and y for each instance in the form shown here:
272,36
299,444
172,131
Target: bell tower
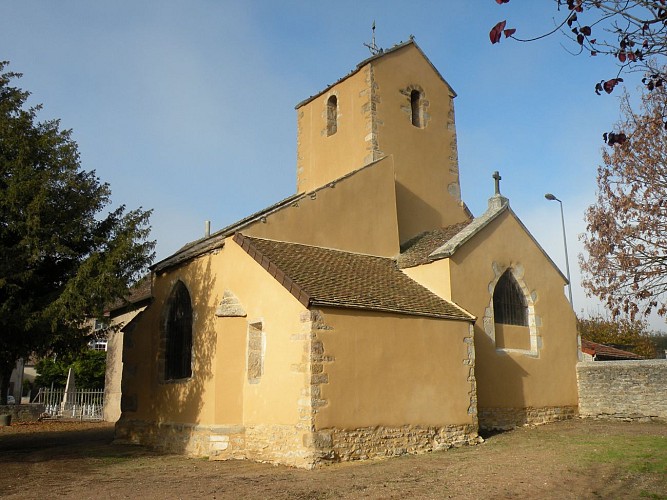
394,103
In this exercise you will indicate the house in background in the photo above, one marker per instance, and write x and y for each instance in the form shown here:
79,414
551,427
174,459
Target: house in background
368,315
592,351
120,313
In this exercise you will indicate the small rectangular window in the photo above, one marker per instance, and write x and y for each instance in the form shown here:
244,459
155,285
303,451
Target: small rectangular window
255,352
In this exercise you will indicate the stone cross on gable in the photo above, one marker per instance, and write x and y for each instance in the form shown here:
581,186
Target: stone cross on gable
497,178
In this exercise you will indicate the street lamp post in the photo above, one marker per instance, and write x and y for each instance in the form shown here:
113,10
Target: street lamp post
551,197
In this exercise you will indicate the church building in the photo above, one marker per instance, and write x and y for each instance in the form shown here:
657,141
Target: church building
368,315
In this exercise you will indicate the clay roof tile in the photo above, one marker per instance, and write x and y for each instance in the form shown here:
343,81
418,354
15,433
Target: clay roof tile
334,278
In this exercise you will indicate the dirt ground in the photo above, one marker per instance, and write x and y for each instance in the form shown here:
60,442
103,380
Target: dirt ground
574,459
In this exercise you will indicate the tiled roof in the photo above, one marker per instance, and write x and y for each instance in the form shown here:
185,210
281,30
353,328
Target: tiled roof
602,352
497,205
140,292
380,54
324,277
416,251
217,239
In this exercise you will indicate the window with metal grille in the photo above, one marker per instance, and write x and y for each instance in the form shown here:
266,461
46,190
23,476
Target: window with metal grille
332,115
178,330
509,302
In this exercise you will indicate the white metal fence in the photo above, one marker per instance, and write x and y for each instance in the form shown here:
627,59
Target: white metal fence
80,404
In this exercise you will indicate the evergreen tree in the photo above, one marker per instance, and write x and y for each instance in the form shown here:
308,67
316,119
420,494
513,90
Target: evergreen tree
62,258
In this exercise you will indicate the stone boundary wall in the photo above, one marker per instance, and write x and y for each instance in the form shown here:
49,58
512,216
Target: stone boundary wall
629,390
503,419
23,413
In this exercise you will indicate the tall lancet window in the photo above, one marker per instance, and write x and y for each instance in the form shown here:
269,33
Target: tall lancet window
509,302
178,333
332,115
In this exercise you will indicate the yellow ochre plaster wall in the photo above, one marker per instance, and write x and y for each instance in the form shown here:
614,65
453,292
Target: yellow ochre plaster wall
356,214
426,159
274,398
390,370
322,158
434,276
374,121
507,378
184,401
219,393
114,366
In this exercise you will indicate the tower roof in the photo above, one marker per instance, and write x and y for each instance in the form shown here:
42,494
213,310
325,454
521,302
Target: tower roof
381,54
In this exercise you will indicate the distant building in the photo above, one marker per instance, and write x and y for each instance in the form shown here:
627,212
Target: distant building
368,315
593,351
120,312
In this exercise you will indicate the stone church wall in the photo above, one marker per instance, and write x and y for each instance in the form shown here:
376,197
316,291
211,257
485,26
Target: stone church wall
629,390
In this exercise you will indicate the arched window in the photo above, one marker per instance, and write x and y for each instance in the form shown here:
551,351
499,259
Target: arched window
509,302
417,108
332,115
178,334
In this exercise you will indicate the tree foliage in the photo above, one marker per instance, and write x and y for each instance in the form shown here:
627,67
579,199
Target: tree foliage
626,237
62,258
632,32
624,333
88,366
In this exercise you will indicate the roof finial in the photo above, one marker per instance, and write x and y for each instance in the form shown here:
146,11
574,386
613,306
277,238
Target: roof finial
375,50
497,178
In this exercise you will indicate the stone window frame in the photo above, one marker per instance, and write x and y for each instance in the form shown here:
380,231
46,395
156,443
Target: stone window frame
416,109
534,320
175,294
508,293
256,351
332,114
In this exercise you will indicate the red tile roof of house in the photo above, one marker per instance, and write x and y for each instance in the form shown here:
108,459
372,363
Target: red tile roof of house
602,351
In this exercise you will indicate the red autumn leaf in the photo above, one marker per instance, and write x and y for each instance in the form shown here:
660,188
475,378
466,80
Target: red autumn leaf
586,30
500,2
580,39
509,32
497,31
616,138
621,56
609,85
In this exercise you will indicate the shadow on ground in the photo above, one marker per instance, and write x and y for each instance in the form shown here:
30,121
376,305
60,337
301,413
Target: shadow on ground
60,440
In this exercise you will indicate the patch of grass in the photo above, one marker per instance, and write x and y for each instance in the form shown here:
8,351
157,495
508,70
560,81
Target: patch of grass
643,454
655,496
